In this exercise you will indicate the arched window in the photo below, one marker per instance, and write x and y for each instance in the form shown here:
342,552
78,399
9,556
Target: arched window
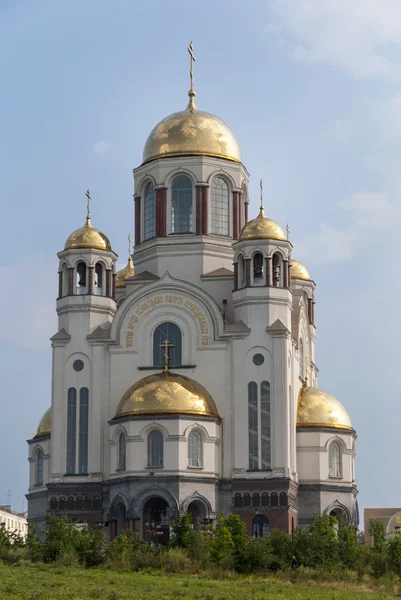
219,209
181,205
247,499
265,424
276,270
260,526
301,359
98,279
243,203
79,503
88,503
283,499
265,499
71,429
273,499
122,451
62,503
172,333
71,503
237,500
255,499
334,460
241,272
253,450
39,467
53,503
195,449
83,429
258,265
97,505
155,449
81,279
149,213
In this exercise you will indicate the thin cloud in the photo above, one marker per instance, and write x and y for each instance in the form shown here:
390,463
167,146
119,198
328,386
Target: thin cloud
101,147
351,35
369,214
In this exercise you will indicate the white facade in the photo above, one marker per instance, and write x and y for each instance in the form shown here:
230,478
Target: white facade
246,334
13,522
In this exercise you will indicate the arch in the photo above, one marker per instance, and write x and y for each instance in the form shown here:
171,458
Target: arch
119,499
79,504
122,452
97,503
283,499
140,500
167,331
273,499
71,503
337,509
260,525
39,455
99,282
149,211
247,499
237,499
335,460
81,278
258,269
53,503
71,429
155,448
83,430
62,503
224,175
88,503
142,183
277,266
253,426
255,499
181,205
195,449
196,497
219,206
265,499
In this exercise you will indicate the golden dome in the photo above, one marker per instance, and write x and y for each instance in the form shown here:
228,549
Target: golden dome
262,228
124,274
87,237
191,132
45,425
299,271
320,409
166,393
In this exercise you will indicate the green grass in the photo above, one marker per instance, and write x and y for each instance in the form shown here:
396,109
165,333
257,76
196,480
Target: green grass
42,582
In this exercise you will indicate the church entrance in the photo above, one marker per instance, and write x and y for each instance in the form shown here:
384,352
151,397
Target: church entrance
156,522
198,515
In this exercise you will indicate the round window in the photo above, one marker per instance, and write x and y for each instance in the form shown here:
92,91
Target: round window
258,359
78,365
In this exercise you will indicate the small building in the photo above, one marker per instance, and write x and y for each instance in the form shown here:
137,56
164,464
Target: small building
390,517
14,522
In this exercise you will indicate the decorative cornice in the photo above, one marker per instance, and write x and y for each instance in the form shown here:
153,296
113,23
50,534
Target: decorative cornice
60,338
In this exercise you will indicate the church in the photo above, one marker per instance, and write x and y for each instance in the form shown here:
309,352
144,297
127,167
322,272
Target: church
187,381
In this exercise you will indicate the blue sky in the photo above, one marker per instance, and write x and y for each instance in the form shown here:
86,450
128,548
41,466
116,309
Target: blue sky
311,89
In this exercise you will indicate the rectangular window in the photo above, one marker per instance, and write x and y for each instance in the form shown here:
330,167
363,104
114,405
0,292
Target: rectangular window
253,425
265,424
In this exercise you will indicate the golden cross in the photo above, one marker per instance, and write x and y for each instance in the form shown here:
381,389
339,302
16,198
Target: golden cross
129,244
191,61
166,345
287,228
88,199
261,194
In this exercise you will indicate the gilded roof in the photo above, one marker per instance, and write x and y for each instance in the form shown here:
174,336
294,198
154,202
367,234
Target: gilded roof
191,132
45,424
262,228
166,393
317,408
299,271
125,273
87,237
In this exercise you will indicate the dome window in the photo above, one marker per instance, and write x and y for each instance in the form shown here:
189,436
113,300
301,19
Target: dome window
276,270
149,213
155,449
181,206
219,207
258,265
81,279
99,277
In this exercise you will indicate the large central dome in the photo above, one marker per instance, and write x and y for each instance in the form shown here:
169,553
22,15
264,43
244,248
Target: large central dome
191,132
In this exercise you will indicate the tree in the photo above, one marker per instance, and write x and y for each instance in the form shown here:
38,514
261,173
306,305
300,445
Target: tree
182,531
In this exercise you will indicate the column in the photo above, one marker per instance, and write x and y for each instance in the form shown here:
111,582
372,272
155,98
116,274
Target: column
285,273
199,209
240,223
313,312
90,280
108,283
235,276
289,273
60,284
161,199
246,212
113,285
205,210
137,201
70,281
268,271
247,262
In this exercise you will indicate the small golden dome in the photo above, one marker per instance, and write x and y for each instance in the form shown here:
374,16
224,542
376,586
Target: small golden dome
299,271
124,274
262,228
320,409
45,425
87,237
191,132
166,393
